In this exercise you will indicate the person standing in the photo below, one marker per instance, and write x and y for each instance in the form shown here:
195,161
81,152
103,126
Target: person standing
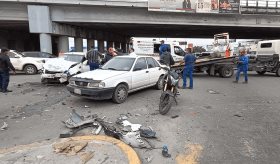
111,53
161,47
188,70
131,52
242,66
166,57
5,67
94,58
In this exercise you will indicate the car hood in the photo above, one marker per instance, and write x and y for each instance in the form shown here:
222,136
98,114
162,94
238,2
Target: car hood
58,65
99,74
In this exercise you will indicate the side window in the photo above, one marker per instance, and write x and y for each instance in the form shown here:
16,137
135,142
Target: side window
11,55
140,64
179,51
266,45
155,62
44,55
151,63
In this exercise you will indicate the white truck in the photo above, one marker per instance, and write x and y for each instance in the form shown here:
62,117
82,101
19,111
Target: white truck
268,59
150,47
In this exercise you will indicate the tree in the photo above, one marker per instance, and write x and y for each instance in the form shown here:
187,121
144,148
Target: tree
198,49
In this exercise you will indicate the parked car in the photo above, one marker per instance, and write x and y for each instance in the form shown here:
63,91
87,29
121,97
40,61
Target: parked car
62,68
37,54
29,65
118,77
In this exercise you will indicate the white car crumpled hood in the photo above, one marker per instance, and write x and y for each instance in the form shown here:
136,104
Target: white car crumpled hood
58,65
99,74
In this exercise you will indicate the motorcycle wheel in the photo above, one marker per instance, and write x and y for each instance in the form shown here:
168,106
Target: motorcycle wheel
165,103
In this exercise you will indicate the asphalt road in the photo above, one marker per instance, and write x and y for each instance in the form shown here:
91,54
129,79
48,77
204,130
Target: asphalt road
239,123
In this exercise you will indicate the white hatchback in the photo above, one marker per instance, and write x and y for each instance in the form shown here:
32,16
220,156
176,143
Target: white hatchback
118,77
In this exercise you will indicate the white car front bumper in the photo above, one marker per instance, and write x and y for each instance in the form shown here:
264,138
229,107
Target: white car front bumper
61,77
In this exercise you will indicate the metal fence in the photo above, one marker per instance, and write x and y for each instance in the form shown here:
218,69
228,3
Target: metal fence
260,7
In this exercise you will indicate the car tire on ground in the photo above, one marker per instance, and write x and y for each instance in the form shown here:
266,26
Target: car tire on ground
159,84
261,72
120,94
226,71
30,69
278,72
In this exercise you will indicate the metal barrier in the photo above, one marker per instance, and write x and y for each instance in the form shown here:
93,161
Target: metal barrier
260,7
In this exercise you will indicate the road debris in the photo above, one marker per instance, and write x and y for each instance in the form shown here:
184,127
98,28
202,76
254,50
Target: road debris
86,156
133,139
149,159
69,147
213,92
165,151
4,126
175,116
86,106
147,133
237,115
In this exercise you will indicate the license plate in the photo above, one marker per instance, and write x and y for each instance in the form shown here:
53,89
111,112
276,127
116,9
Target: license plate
77,91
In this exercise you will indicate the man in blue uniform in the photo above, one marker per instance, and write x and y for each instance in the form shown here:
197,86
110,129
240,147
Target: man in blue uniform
188,70
242,66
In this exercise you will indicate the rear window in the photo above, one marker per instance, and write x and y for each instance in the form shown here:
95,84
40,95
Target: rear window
266,45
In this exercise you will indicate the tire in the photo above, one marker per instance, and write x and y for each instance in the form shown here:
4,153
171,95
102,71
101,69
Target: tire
226,71
159,84
120,94
165,103
278,72
30,69
261,72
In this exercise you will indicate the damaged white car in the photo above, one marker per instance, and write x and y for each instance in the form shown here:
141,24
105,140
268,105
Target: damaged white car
61,69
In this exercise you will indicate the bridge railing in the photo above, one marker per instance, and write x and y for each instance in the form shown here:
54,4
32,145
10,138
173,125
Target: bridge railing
260,6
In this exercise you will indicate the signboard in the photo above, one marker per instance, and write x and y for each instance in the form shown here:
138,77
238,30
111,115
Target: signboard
229,6
207,6
172,5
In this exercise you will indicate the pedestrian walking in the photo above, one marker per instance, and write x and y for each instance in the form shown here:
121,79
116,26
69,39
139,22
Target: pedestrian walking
242,66
5,67
94,58
188,70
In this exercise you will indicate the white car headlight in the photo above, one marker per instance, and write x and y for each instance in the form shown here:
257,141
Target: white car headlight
96,84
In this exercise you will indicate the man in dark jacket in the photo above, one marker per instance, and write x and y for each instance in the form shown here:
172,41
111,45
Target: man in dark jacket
166,57
111,53
94,58
5,67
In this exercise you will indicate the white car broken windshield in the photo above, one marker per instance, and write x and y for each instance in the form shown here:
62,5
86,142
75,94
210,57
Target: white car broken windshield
73,58
119,64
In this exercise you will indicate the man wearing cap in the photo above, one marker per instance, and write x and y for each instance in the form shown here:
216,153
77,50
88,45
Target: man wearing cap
5,67
161,48
242,66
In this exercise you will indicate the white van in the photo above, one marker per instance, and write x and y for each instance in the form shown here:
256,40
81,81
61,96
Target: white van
151,48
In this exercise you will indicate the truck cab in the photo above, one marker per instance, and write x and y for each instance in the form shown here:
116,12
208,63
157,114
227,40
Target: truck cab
268,48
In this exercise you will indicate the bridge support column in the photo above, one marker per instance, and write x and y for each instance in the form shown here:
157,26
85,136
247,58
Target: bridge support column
101,46
78,44
90,44
110,44
63,44
46,43
124,46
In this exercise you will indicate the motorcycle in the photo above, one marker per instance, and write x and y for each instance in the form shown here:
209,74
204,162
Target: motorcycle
169,91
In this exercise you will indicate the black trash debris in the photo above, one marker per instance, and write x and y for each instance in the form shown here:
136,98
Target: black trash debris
165,152
147,133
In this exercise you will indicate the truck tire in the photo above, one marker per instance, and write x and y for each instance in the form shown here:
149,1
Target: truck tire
30,69
261,72
278,72
226,71
120,94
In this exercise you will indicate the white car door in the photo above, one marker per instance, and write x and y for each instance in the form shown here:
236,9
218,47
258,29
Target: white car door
15,60
154,70
140,74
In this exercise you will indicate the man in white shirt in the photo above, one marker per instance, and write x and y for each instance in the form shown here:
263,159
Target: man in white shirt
131,52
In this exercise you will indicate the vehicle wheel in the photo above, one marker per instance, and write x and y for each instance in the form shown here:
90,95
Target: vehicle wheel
159,84
120,94
30,69
278,72
165,103
226,71
261,72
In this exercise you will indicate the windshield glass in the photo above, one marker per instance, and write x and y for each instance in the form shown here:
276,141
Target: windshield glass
119,64
20,53
73,58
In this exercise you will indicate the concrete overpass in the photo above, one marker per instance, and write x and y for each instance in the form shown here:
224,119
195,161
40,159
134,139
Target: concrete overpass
115,21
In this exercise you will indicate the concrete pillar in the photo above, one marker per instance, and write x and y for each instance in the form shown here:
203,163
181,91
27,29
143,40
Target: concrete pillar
46,43
90,44
110,44
78,44
123,47
100,45
63,44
